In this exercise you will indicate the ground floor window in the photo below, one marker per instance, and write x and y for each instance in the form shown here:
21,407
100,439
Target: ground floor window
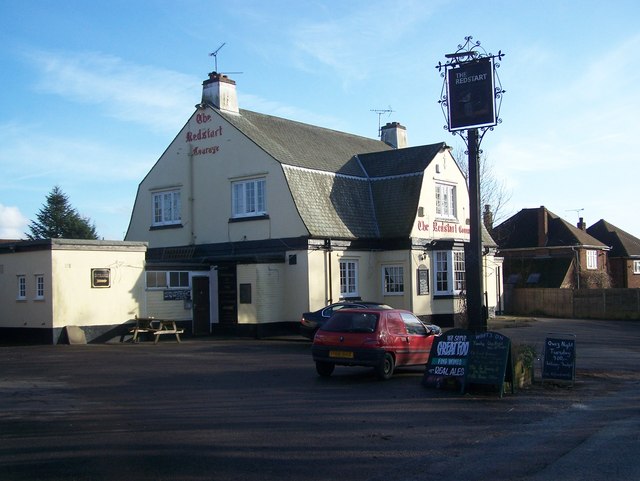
636,267
592,259
449,272
168,279
39,287
393,280
348,278
22,287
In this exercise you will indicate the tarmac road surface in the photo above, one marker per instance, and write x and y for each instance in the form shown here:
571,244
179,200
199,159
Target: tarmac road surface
233,409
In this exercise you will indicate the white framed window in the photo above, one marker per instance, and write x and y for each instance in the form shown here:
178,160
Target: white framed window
392,280
592,259
168,279
441,272
348,278
248,198
449,272
445,200
166,208
39,287
636,267
459,277
22,287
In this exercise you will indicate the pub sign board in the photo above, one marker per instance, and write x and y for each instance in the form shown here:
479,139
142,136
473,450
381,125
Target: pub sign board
471,95
100,277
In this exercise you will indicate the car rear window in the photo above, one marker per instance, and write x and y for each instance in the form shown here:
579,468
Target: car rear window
352,322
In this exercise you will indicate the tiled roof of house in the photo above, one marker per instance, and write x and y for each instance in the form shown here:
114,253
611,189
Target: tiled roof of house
521,231
344,186
622,243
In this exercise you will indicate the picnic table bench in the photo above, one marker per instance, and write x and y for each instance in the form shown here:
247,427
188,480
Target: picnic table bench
157,327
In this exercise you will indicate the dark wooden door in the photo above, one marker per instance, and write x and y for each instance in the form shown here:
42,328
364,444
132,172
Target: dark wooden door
227,294
201,306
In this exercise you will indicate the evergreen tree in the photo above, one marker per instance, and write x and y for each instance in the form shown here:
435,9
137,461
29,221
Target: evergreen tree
57,219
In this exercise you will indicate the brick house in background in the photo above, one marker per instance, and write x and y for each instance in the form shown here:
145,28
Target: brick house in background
624,256
541,249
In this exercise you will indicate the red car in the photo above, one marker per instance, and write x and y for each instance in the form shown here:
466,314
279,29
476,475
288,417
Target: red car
379,338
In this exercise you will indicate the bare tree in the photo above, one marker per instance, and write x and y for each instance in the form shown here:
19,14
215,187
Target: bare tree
493,191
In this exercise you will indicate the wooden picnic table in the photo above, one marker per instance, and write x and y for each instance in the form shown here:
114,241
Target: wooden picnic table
157,327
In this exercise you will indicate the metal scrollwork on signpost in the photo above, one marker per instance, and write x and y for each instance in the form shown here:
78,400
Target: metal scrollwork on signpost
470,99
465,56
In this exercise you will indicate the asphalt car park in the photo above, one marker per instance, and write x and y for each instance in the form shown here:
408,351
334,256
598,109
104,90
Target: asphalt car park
229,409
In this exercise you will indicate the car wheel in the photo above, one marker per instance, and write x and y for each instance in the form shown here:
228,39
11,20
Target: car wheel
325,369
386,367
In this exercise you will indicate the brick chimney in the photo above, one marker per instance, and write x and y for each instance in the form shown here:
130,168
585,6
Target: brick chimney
487,217
220,91
543,226
394,134
581,224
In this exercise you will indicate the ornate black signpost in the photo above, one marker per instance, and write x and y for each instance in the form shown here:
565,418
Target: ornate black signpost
470,99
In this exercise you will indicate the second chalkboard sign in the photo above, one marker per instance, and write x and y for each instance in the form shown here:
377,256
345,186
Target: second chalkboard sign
490,360
559,358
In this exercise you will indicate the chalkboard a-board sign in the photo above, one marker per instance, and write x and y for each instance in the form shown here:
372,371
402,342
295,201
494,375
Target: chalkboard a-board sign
559,359
448,358
490,360
468,358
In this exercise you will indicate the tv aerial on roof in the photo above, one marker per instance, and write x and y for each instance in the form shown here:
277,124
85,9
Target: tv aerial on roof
380,113
214,54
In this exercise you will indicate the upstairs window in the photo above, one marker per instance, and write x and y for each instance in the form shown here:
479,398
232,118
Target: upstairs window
249,198
166,208
446,201
592,259
636,267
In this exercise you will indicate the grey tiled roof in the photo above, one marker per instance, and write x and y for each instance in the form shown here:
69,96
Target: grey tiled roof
344,186
302,145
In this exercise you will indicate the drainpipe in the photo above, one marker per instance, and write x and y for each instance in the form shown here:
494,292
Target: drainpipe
327,244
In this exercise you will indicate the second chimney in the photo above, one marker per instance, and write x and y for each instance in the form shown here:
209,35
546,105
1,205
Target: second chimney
394,134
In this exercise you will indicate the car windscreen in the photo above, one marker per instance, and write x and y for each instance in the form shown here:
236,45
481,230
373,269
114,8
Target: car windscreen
352,322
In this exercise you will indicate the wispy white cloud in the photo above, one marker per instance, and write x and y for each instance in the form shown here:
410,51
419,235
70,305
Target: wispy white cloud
12,223
156,98
355,43
58,158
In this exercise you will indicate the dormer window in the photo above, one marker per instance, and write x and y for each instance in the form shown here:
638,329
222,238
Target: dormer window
446,201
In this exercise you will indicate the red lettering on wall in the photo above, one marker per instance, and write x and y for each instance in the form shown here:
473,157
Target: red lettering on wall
203,118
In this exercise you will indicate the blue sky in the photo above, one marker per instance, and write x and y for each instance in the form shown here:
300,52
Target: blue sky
92,93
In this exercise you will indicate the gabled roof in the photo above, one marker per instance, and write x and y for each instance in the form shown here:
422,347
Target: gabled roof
524,231
344,186
622,243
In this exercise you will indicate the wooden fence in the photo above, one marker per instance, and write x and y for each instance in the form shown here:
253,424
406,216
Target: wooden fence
574,303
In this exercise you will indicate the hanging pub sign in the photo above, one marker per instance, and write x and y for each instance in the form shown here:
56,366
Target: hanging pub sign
100,277
471,95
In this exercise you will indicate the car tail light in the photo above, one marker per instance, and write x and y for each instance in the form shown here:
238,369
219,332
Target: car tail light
372,342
